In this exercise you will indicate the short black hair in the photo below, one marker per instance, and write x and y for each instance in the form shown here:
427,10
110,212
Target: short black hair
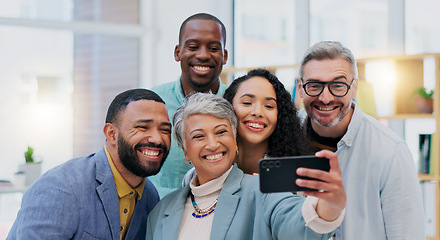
123,99
288,138
202,16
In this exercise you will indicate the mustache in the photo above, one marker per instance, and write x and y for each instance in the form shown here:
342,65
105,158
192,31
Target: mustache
319,103
151,145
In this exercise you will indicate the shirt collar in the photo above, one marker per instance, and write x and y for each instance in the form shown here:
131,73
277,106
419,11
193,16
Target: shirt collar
210,186
122,186
353,126
178,91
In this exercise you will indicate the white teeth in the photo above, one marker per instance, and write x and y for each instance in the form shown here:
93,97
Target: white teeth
215,156
254,125
325,108
201,68
150,153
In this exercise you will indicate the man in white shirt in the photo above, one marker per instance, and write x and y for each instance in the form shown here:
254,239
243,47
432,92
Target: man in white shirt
384,200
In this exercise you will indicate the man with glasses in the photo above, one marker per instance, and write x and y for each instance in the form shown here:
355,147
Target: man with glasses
384,200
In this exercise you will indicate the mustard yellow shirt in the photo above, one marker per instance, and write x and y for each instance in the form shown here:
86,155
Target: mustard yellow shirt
127,196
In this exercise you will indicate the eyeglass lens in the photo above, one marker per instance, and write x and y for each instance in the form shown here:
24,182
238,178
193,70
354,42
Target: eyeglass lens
338,89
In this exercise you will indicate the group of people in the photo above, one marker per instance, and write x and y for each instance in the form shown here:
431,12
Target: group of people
219,134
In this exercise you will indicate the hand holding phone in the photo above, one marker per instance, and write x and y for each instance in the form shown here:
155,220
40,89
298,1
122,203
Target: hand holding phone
278,174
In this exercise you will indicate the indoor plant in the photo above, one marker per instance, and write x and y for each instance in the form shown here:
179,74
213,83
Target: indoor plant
29,155
31,168
424,100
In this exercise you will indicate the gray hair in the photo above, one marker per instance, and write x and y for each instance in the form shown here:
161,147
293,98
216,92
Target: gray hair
202,103
328,50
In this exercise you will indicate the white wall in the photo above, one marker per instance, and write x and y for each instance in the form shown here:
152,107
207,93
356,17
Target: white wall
28,53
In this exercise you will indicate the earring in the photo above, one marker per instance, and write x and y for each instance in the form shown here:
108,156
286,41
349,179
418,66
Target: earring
188,162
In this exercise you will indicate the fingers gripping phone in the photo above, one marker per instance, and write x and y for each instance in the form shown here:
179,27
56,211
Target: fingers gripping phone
278,174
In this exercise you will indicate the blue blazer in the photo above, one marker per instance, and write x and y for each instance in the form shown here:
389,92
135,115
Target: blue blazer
78,200
242,212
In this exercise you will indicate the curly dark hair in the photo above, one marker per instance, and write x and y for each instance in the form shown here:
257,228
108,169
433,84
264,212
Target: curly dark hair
288,138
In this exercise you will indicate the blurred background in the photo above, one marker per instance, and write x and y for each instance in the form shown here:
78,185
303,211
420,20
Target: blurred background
63,61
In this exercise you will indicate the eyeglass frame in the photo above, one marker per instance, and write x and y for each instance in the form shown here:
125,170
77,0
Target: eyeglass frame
328,86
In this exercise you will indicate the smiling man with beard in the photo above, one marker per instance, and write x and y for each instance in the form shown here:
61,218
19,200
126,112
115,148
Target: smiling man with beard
131,160
202,54
384,200
104,195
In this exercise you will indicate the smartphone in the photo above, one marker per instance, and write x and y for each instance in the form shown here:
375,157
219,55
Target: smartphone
278,174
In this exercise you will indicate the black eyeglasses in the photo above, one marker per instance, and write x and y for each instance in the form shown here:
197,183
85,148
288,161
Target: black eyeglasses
337,89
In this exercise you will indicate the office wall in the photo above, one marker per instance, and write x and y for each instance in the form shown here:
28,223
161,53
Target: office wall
163,20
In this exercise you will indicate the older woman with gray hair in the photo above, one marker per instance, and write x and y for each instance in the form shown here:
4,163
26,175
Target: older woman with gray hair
221,202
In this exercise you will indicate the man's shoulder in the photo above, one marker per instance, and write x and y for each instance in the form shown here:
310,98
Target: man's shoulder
369,128
81,169
78,163
171,93
164,88
379,129
74,177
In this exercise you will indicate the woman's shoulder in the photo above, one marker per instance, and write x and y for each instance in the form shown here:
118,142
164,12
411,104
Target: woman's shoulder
251,181
179,193
250,191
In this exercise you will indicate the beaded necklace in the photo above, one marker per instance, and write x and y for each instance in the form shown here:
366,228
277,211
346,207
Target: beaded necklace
201,213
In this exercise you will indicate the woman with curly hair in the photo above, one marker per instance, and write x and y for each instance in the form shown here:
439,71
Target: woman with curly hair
268,125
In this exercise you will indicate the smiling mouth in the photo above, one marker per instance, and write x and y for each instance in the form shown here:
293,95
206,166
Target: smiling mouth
324,109
201,69
150,152
213,157
255,125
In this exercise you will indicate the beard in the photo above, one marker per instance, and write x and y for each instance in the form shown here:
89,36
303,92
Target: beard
344,110
130,159
335,121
